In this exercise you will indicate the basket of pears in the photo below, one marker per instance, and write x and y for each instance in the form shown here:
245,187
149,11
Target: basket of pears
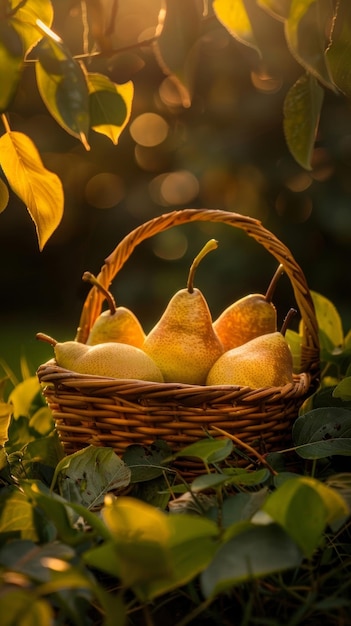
190,376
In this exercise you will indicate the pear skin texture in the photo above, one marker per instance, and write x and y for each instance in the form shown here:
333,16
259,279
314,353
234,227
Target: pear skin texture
183,343
121,327
245,319
112,360
264,361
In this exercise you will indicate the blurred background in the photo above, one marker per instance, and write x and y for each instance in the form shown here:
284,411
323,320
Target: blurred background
227,150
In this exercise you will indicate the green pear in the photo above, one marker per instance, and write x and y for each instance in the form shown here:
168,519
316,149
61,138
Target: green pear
117,324
251,316
183,343
111,360
265,361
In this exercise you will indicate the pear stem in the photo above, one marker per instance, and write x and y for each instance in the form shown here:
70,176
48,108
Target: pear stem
47,338
272,285
212,244
89,277
290,314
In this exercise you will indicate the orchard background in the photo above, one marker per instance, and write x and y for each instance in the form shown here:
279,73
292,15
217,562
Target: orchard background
208,121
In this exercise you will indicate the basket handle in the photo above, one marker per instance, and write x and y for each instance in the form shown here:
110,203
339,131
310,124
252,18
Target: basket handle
253,228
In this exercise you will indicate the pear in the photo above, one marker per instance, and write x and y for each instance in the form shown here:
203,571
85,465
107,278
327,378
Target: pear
183,343
118,324
251,316
265,361
112,359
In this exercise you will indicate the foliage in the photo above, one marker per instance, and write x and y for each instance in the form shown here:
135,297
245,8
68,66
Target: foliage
94,538
316,36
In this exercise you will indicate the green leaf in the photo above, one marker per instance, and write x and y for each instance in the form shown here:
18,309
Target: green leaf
92,472
104,558
146,462
208,481
343,389
25,19
23,608
242,507
230,476
55,509
192,547
63,88
329,320
4,196
208,450
39,189
302,107
110,105
16,514
27,558
19,435
323,398
240,476
154,552
304,507
233,15
72,584
295,341
46,450
254,552
306,31
42,421
177,44
141,539
323,432
5,473
11,55
338,53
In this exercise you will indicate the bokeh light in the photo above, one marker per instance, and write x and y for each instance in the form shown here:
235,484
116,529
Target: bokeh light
174,188
169,93
149,129
104,190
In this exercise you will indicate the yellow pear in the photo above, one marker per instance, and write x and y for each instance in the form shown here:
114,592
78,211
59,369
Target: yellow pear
112,360
251,316
183,343
265,361
117,324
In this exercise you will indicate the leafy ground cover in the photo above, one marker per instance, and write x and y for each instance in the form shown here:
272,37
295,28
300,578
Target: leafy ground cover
93,538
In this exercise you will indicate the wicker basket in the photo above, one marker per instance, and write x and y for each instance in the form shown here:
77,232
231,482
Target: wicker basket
116,413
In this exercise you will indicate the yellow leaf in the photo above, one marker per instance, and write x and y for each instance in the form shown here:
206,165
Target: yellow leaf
110,105
40,189
25,17
233,15
141,535
336,506
4,196
22,396
5,416
135,521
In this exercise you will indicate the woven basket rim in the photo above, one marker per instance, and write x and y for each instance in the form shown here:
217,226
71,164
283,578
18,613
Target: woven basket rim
51,373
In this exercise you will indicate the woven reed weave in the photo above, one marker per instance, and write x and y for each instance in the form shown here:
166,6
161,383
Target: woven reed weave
116,413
